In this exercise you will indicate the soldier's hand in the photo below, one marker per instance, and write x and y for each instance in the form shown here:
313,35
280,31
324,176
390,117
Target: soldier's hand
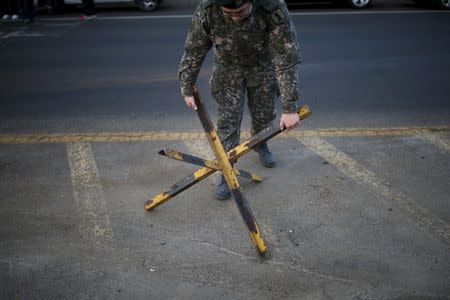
190,102
289,121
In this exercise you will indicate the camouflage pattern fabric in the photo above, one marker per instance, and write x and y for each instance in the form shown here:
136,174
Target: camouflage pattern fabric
256,57
232,3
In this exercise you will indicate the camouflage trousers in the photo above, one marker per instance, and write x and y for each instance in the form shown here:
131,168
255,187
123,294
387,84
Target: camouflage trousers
229,85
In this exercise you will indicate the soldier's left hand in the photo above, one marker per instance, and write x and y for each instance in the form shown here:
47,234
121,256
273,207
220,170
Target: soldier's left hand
289,121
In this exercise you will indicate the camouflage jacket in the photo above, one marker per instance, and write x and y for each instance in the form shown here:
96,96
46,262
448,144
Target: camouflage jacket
266,37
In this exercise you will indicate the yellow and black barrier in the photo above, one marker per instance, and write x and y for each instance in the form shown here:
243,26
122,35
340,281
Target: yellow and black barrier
223,163
202,162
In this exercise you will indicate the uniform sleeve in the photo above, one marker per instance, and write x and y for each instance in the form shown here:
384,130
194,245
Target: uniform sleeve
286,54
196,47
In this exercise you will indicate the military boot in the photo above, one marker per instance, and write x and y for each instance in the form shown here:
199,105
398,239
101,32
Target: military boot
265,155
223,191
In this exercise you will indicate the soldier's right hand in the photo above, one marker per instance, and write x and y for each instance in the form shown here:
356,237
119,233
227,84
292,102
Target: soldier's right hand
190,102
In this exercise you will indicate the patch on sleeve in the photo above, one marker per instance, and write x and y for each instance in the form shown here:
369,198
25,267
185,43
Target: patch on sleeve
278,16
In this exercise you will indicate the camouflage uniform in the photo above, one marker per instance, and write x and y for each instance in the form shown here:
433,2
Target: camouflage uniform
257,56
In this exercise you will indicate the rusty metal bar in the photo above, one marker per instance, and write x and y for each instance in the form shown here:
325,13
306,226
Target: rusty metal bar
235,153
178,187
264,135
212,164
230,176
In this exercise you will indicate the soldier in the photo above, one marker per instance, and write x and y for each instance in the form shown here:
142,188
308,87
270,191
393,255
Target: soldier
255,53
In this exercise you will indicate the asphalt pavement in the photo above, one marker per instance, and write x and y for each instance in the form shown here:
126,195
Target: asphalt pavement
357,207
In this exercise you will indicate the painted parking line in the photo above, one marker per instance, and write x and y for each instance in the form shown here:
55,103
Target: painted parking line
38,138
436,139
200,147
67,24
88,193
423,219
47,29
380,131
22,34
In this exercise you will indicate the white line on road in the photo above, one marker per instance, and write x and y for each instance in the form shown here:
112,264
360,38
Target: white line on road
200,147
292,14
61,24
438,140
367,12
423,219
88,193
22,34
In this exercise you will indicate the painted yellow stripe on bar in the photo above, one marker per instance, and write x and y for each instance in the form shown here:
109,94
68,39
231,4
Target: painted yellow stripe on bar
157,200
203,172
175,189
39,138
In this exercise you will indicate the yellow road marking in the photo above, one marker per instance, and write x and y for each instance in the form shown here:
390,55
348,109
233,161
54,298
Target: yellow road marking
143,136
423,219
